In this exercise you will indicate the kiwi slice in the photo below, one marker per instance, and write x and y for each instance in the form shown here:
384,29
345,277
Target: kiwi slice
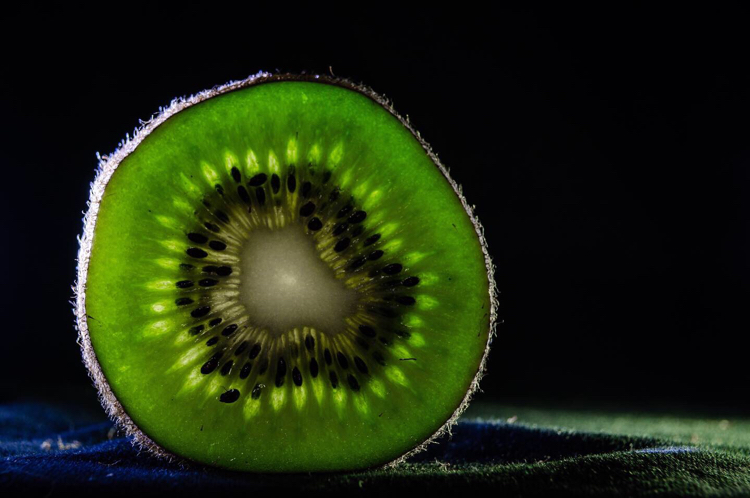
278,275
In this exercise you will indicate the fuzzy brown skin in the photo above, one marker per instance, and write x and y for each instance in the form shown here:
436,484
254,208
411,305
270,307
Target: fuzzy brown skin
108,165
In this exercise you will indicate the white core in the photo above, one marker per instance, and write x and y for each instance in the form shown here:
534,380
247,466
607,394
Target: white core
285,284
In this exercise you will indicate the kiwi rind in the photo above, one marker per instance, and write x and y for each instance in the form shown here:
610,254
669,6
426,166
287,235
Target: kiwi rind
108,165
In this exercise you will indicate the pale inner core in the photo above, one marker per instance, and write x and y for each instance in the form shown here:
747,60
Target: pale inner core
285,284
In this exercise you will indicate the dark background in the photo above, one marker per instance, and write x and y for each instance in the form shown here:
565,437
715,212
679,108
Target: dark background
607,153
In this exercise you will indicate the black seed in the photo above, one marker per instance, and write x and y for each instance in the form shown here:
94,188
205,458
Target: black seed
214,322
407,300
327,356
334,194
230,396
280,372
241,349
229,330
313,368
342,360
263,367
344,211
392,269
245,372
342,244
368,331
275,183
197,238
309,343
372,239
306,187
402,333
196,330
314,224
217,245
258,180
358,217
210,365
184,284
358,262
384,340
297,377
206,203
339,229
307,209
326,176
254,352
375,255
212,341
219,189
353,382
222,271
222,216
186,266
194,252
291,183
212,227
260,194
200,312
379,358
208,282
227,367
361,365
256,391
242,192
236,175
183,301
334,380
358,230
410,282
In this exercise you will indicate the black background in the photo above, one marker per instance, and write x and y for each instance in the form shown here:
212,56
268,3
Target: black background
607,153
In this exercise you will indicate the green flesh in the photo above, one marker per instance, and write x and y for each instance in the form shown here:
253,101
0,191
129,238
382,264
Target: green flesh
142,338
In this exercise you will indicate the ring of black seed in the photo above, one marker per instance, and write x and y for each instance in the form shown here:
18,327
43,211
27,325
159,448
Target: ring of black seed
347,224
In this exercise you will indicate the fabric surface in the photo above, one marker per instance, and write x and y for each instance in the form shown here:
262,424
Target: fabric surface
52,451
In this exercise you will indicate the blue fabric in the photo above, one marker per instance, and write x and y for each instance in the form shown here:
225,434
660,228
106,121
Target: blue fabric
46,449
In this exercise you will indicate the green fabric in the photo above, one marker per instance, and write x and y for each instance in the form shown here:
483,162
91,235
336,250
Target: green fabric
644,454
618,454
495,450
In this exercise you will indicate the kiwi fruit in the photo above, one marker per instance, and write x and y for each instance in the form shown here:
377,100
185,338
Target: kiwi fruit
278,275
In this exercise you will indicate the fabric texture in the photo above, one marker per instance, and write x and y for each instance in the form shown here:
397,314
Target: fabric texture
51,451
